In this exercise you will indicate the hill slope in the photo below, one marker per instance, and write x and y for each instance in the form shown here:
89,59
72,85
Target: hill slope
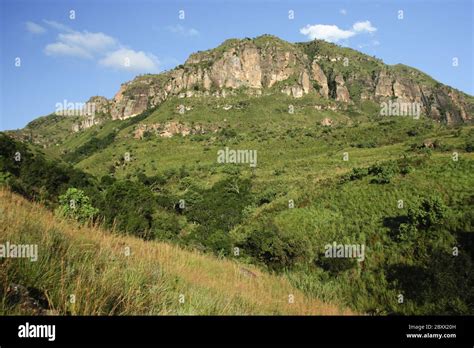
91,264
330,168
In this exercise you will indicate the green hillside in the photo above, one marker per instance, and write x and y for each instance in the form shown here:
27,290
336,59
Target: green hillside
325,171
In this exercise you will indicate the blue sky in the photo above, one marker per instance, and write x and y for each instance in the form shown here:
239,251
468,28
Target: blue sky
110,42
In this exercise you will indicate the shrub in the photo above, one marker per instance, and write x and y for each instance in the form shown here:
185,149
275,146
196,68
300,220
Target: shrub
429,212
469,146
358,173
383,172
165,226
336,266
129,205
278,249
75,204
37,178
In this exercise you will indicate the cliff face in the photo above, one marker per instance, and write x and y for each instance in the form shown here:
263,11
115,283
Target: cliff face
270,65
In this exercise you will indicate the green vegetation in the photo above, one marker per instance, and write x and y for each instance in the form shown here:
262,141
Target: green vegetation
76,205
400,187
83,270
230,206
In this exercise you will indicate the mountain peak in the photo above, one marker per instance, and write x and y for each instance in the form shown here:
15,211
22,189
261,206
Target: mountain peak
268,63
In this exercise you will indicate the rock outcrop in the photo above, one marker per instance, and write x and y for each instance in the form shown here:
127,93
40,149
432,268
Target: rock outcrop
170,129
320,79
342,94
270,65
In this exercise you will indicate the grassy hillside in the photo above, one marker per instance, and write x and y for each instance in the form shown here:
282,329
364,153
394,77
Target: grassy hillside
326,171
299,160
91,263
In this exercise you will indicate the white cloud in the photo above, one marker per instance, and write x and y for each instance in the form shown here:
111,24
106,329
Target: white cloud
108,51
128,59
80,44
343,11
330,33
92,42
179,29
35,28
63,49
57,26
363,27
333,33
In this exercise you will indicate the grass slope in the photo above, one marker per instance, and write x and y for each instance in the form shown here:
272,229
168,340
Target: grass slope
91,264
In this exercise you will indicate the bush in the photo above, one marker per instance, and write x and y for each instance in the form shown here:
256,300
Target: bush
75,204
358,173
37,178
383,173
278,249
429,212
130,206
165,226
336,266
469,146
221,206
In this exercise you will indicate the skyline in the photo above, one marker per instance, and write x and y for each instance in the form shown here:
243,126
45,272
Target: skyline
66,58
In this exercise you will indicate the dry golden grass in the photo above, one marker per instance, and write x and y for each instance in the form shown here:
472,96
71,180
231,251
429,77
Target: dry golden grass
91,263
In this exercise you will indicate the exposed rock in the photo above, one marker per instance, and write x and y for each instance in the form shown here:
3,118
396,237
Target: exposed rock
171,129
85,123
326,122
30,300
429,144
101,105
305,82
320,78
294,91
342,94
259,64
384,85
406,91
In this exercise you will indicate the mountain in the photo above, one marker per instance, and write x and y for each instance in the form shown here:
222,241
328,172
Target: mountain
268,65
263,153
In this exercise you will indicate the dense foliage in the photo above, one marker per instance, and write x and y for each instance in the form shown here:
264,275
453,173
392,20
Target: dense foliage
76,205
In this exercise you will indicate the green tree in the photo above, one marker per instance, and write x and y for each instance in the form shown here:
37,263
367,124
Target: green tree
129,205
429,212
75,204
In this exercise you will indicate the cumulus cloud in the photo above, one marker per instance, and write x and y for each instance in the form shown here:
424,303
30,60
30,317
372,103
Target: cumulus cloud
58,26
179,29
34,28
81,44
107,50
63,49
330,33
128,59
333,33
363,27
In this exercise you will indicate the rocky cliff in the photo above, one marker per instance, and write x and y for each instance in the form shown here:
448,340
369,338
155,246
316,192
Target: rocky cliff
270,65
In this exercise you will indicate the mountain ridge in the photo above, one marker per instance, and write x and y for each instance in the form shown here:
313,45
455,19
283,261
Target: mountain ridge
296,69
268,64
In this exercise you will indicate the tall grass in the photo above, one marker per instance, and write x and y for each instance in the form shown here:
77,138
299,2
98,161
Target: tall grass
92,264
